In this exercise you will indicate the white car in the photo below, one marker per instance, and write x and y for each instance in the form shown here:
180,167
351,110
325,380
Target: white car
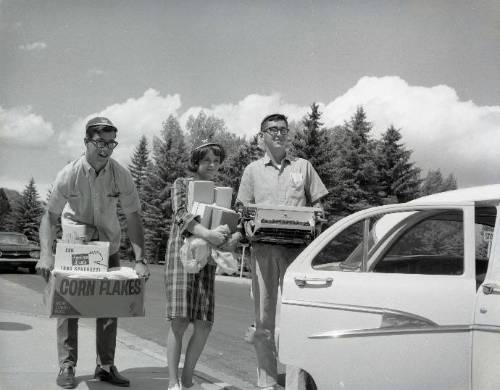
403,296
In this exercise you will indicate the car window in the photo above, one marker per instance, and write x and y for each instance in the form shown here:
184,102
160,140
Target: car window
346,250
485,222
13,239
433,246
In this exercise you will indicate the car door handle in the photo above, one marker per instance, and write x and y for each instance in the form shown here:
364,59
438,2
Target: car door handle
313,282
491,288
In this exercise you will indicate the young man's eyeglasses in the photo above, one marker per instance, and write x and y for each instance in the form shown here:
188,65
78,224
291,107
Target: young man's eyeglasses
103,144
277,130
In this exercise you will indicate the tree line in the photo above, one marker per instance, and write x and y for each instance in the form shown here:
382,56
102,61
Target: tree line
358,170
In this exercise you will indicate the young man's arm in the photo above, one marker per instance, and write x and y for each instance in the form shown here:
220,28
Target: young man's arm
136,234
47,234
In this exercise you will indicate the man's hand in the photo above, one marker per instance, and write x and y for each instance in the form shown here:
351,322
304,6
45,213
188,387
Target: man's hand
44,265
142,270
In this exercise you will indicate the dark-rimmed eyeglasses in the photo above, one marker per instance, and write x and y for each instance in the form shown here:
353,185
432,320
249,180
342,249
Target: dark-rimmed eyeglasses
104,144
277,130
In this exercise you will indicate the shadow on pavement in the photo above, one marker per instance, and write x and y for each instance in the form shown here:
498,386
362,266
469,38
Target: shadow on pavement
143,378
14,326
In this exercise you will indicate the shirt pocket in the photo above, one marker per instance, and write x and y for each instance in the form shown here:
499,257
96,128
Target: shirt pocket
295,188
111,200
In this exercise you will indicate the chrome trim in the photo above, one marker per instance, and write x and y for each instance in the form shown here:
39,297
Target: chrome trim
391,331
405,330
361,309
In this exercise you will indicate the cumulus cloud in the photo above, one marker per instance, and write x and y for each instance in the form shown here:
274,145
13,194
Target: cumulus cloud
133,118
20,126
35,46
444,132
243,118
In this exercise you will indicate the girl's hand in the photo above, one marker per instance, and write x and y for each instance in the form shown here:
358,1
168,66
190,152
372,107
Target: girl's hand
215,236
232,242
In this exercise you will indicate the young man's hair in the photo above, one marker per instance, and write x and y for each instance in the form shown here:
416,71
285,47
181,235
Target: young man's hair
199,153
93,130
273,117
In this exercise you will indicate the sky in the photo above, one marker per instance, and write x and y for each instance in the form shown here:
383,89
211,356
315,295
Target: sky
430,68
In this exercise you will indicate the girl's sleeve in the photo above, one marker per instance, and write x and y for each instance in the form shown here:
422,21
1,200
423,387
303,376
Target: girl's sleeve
182,217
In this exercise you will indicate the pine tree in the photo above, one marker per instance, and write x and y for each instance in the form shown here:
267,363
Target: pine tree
232,168
139,162
434,183
399,178
169,163
27,212
355,180
137,167
203,128
312,142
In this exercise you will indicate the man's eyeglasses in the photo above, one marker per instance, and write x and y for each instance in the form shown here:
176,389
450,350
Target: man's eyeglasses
277,130
104,144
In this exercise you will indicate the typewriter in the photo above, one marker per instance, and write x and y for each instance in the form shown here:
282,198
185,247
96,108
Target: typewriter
284,225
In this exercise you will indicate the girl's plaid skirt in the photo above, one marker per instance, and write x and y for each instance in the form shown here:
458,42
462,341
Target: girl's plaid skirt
188,295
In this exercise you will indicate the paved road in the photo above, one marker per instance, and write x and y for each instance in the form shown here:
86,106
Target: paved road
225,351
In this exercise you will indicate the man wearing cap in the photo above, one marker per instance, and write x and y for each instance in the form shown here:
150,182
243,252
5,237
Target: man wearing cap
276,179
86,192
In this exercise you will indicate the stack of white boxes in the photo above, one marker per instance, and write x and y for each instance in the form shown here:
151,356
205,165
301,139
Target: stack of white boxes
212,204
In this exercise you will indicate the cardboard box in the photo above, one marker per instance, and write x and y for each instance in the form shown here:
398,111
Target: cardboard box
204,211
69,297
91,257
223,197
201,191
224,216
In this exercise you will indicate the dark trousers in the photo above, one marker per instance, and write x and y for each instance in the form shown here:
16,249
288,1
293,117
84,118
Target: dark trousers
67,335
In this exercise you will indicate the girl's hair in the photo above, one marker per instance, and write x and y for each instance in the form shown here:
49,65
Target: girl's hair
201,151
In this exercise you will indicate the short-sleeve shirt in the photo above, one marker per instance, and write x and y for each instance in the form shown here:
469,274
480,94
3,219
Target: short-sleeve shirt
82,196
295,183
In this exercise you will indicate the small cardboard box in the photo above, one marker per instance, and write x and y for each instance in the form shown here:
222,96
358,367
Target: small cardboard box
91,257
69,297
223,196
223,216
201,191
204,211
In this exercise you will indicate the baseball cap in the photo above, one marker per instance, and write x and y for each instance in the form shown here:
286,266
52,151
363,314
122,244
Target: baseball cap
100,121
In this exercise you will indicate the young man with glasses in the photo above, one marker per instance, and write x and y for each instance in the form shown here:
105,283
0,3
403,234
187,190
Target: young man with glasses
86,192
276,179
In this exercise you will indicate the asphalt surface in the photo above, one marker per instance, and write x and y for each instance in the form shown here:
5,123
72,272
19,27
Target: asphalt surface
226,351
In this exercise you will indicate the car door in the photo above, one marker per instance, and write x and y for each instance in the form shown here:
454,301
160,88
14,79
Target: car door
486,329
384,299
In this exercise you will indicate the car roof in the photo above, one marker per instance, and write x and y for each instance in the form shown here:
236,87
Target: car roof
471,194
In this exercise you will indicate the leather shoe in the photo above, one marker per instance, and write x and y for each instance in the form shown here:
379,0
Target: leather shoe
66,378
113,376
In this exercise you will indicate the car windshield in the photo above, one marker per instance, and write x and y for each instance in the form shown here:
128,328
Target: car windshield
13,239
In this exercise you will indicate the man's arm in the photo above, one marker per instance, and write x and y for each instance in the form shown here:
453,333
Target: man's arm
136,234
47,234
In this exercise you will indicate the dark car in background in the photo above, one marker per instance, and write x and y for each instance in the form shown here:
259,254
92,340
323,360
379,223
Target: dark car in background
17,251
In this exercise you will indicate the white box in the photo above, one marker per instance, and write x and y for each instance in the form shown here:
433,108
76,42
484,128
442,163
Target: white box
91,257
223,196
201,191
224,216
204,211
